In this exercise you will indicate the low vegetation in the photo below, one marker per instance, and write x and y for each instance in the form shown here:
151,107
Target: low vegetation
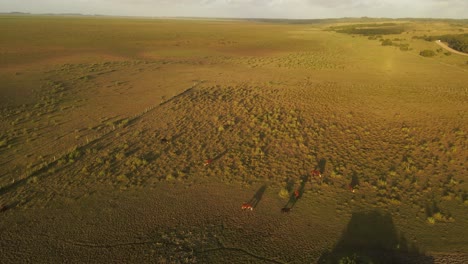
177,123
457,42
427,53
370,29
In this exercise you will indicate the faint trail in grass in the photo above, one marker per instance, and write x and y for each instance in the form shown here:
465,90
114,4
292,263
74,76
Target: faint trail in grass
93,245
44,167
149,242
241,251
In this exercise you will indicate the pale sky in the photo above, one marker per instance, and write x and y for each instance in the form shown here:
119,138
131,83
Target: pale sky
247,8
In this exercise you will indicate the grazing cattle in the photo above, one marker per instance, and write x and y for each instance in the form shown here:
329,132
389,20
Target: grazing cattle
285,210
316,173
296,194
247,206
207,162
351,188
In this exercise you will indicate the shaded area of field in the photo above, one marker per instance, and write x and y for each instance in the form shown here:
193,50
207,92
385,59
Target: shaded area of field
371,237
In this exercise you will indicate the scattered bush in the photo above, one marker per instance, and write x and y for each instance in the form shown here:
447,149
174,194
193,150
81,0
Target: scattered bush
73,155
387,42
370,29
431,220
124,123
404,47
283,193
427,53
349,260
456,42
3,143
123,178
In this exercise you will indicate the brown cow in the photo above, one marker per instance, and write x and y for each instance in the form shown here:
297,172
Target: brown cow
316,173
247,206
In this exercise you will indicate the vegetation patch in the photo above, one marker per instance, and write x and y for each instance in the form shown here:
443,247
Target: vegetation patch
370,29
427,53
457,42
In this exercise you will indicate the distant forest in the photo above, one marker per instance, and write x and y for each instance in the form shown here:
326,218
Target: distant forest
370,29
456,42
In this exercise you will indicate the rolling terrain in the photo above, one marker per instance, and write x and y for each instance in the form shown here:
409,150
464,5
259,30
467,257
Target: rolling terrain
138,140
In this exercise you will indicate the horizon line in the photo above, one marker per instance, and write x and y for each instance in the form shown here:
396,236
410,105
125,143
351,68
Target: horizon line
208,17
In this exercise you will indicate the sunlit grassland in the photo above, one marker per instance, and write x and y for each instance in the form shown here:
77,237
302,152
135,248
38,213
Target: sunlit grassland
139,105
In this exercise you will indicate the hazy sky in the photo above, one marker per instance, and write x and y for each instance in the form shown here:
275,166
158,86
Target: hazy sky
247,8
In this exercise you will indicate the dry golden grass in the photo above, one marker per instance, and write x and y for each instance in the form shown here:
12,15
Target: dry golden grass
105,137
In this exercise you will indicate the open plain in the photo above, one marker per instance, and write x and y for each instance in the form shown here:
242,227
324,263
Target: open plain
138,140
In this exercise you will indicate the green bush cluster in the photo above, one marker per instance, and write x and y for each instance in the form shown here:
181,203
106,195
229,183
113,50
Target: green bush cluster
457,42
387,42
427,53
370,29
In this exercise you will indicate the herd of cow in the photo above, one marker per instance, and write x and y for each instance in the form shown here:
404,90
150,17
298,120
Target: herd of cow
315,174
295,196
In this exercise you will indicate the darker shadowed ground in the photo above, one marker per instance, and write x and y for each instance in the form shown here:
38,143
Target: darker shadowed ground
371,237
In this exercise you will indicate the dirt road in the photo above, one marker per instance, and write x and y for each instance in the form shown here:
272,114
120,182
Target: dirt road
443,45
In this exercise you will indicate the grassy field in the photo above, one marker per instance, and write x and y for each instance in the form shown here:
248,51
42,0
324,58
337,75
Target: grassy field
108,123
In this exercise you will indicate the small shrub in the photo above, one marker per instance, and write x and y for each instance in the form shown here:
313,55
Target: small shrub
404,47
3,143
349,260
73,155
387,42
124,123
120,156
33,179
170,177
283,193
123,178
427,53
431,220
438,217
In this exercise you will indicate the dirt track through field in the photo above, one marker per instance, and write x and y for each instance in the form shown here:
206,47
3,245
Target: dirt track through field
443,45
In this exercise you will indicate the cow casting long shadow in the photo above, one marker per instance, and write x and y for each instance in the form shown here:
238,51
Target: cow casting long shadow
371,237
257,196
321,165
296,196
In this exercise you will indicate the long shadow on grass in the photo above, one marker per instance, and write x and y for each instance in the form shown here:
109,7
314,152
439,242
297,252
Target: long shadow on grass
220,155
321,165
257,196
354,181
371,237
296,196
